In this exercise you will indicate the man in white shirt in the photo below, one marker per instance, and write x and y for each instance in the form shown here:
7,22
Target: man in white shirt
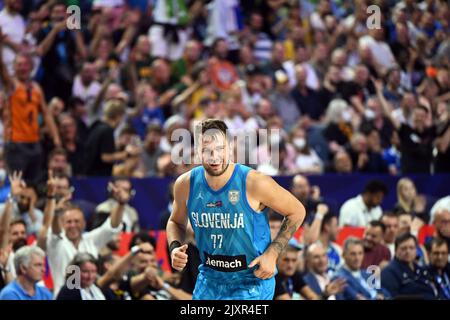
391,223
381,52
360,210
63,245
358,279
12,25
318,278
85,85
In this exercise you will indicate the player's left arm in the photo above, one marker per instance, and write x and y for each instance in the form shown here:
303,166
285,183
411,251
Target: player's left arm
270,194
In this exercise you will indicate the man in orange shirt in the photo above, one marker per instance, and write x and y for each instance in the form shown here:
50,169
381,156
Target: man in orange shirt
23,103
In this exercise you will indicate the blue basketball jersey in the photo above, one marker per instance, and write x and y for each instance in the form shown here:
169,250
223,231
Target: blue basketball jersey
228,232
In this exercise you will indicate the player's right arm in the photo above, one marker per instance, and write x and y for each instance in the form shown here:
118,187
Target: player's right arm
176,226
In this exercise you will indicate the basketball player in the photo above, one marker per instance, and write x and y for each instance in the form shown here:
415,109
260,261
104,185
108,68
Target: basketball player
227,206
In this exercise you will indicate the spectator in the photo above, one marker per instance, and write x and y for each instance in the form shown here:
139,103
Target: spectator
222,73
379,49
439,267
362,209
78,110
88,290
402,277
130,220
63,245
409,224
308,101
30,265
443,203
24,208
183,67
132,166
317,278
168,30
152,150
259,40
441,223
410,202
375,252
147,111
356,277
113,281
58,162
72,143
392,155
58,47
288,280
307,160
327,237
85,85
415,140
283,101
100,149
338,129
342,163
375,163
375,120
12,27
23,151
307,195
139,66
393,90
391,230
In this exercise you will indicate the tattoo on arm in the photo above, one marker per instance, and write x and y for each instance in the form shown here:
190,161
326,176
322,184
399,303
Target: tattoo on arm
287,230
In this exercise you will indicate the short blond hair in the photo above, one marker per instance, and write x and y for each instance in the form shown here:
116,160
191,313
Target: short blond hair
114,109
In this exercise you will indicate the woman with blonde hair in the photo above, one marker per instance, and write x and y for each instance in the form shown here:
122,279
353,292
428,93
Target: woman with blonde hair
409,201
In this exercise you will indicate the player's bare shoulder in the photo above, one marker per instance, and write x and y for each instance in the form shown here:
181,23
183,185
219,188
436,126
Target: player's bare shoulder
257,181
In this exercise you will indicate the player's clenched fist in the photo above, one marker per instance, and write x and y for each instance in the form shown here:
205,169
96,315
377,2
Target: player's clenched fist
179,257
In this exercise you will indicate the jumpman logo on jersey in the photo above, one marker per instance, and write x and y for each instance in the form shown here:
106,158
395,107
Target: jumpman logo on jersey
200,196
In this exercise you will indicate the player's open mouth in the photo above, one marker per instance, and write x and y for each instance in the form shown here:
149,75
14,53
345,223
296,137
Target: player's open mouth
215,166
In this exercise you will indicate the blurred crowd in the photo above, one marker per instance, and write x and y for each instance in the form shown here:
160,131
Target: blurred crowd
344,89
347,95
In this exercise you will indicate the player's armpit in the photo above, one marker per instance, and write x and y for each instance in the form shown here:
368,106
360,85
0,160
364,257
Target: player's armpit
264,189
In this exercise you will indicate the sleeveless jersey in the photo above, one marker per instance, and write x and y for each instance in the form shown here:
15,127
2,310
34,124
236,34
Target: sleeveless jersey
228,232
21,114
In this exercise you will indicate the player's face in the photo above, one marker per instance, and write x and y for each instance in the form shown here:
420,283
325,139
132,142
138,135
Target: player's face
214,150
